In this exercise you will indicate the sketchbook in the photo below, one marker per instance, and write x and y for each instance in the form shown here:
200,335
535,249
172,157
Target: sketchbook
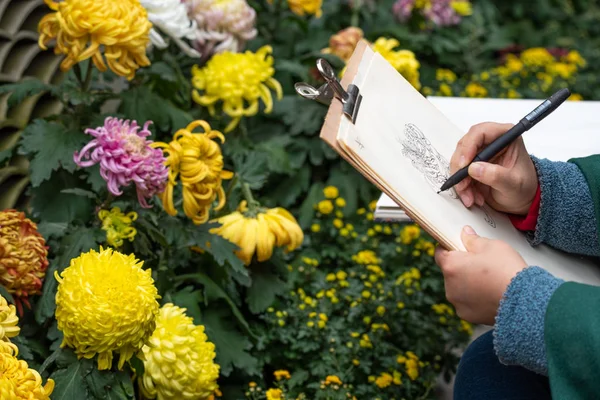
402,144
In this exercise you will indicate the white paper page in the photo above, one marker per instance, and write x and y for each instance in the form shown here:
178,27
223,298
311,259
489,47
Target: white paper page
393,116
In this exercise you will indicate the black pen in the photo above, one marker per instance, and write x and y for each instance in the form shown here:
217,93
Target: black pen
502,142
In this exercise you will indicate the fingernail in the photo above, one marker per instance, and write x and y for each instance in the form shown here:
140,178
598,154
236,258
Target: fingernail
466,199
468,230
476,170
462,161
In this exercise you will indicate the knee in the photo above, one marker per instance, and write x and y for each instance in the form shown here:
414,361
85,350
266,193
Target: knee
478,360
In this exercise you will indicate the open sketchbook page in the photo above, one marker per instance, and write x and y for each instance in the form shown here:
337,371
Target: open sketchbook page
404,143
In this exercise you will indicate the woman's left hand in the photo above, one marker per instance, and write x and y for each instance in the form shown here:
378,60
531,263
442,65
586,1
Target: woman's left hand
476,280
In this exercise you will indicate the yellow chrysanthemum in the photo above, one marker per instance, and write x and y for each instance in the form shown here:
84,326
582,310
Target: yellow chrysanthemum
84,29
325,207
404,61
197,159
333,380
282,374
536,57
445,75
117,226
179,361
306,7
365,257
259,232
239,81
106,303
18,381
8,321
475,89
343,43
23,255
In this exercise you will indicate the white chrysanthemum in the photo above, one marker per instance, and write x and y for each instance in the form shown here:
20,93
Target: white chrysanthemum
223,25
171,17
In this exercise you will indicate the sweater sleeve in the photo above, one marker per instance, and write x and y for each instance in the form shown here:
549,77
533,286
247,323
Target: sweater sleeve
519,328
566,219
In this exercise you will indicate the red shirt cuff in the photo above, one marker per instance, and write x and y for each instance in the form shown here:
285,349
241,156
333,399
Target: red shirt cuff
528,222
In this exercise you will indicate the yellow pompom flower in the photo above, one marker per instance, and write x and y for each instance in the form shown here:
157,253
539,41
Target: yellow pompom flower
197,160
475,89
239,81
325,207
117,226
23,255
331,192
84,29
462,7
179,361
106,303
8,321
536,57
274,394
18,381
282,374
306,7
259,231
404,61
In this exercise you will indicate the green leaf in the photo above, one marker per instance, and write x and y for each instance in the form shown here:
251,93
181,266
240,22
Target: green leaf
265,287
49,146
137,365
307,209
141,104
79,240
80,192
251,169
5,155
212,291
301,115
95,179
50,205
109,385
48,361
125,384
23,346
221,249
52,229
4,293
21,90
70,383
190,299
232,347
292,67
299,377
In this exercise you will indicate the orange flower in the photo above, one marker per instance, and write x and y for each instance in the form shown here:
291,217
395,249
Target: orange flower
343,43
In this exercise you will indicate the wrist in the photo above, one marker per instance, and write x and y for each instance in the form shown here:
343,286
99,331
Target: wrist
527,221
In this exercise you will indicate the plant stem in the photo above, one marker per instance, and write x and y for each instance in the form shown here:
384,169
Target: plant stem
232,184
77,70
355,19
248,196
88,77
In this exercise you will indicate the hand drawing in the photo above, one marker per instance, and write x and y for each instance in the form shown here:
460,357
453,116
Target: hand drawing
488,218
425,158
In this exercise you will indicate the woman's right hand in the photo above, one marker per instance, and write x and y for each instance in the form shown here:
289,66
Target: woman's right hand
508,183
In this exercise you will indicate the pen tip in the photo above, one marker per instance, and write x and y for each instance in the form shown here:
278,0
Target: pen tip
439,191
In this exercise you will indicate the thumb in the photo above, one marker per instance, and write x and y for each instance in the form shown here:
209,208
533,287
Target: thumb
472,241
493,175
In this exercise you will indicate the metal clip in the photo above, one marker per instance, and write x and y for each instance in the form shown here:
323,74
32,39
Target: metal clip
350,99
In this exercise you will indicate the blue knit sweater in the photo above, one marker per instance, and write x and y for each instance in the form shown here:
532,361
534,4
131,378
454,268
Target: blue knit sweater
567,222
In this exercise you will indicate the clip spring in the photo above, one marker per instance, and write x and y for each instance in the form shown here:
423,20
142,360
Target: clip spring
350,99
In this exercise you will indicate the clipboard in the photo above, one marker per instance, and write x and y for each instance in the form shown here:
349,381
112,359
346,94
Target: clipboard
380,123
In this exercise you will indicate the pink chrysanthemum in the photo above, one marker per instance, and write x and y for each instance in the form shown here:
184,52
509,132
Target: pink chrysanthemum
403,9
125,156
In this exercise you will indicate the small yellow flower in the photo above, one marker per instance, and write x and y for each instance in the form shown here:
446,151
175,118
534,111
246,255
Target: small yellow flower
118,226
333,379
310,324
574,57
338,223
325,207
197,160
445,75
475,89
239,81
282,374
84,29
381,310
330,277
356,362
315,228
306,7
340,202
366,294
575,97
341,275
412,369
105,303
331,192
321,324
384,380
536,57
365,257
410,233
462,7
445,90
274,394
252,384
